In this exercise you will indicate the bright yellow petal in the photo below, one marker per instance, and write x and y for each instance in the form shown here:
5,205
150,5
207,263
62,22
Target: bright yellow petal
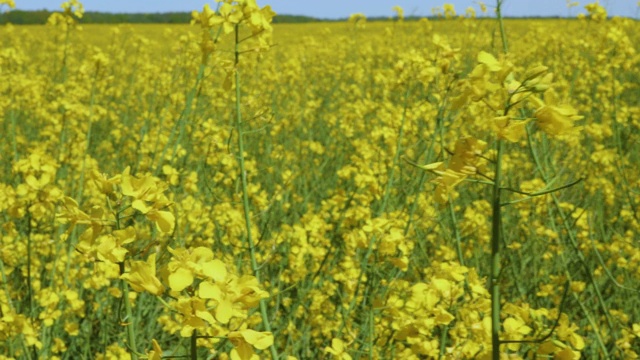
215,270
164,220
259,340
180,279
489,60
207,290
224,311
141,206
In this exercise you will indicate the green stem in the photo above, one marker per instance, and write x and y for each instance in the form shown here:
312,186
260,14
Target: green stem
443,341
88,138
245,191
29,285
503,34
131,331
495,226
456,233
66,51
495,256
14,135
194,346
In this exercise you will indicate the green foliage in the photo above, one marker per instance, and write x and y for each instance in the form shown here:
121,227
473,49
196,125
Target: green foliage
21,17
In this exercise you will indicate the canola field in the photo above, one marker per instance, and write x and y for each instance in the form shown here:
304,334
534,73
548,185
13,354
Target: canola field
453,188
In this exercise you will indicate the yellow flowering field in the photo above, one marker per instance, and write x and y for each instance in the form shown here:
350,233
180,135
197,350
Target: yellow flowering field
453,188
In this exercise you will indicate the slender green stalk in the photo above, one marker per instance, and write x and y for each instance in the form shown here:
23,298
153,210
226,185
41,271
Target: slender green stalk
456,233
14,135
245,192
372,327
131,331
88,136
194,346
64,69
29,285
496,225
495,256
443,341
503,34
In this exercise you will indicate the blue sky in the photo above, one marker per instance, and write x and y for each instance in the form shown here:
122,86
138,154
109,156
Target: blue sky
343,8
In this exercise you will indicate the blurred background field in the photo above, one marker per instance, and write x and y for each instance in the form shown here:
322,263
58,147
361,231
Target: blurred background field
356,258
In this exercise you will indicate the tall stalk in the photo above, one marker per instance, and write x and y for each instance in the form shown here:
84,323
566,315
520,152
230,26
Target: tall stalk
496,218
245,192
495,255
131,332
129,320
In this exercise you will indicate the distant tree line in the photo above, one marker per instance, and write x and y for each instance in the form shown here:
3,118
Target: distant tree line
20,17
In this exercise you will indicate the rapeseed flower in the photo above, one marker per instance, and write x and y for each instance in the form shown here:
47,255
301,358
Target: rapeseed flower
142,276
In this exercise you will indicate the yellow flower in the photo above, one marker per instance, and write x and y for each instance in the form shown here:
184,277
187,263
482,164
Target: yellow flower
156,353
147,190
449,10
259,19
556,120
144,188
596,11
463,163
566,331
186,265
509,129
224,309
105,184
142,276
515,329
359,19
228,17
204,17
74,7
399,12
110,246
338,349
247,339
165,220
10,3
195,315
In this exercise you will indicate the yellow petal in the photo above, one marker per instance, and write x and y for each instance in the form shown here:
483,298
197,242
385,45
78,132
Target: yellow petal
205,315
489,60
260,340
141,206
338,345
566,354
224,311
201,254
443,317
180,279
164,220
207,290
216,270
243,350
